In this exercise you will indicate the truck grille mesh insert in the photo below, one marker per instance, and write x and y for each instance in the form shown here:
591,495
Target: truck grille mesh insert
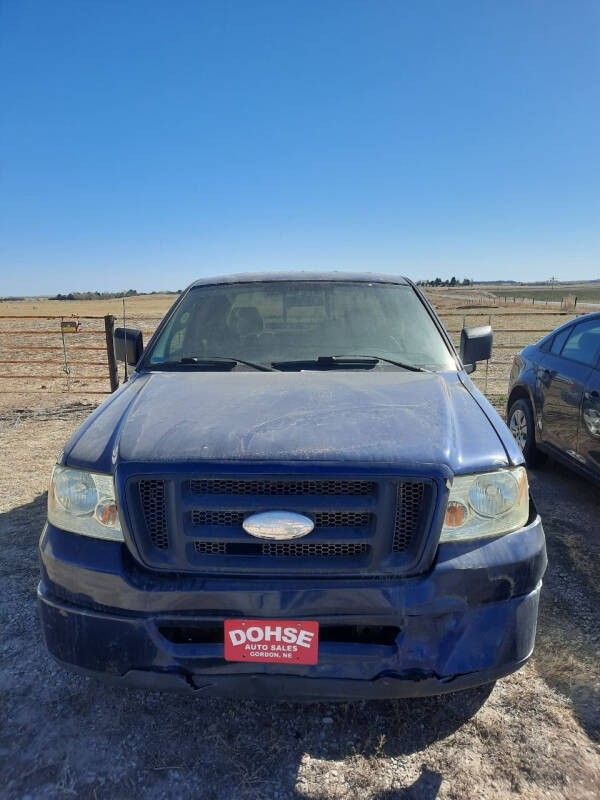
323,519
228,518
305,549
211,548
152,495
409,504
282,488
341,519
282,549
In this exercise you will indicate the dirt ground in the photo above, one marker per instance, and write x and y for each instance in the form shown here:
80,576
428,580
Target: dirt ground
535,735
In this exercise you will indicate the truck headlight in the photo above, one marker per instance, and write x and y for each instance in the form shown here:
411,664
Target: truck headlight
84,502
488,504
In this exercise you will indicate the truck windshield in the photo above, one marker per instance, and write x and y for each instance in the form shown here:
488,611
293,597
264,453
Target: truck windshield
280,323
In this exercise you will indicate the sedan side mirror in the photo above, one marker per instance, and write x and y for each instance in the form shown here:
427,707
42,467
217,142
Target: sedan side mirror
475,345
129,344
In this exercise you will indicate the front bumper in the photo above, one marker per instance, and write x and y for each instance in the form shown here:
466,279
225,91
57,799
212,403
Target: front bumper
469,620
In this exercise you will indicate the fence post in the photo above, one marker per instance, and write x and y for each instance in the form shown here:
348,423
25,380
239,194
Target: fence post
66,368
113,373
487,363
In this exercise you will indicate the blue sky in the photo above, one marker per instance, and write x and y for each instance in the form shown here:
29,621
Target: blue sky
144,144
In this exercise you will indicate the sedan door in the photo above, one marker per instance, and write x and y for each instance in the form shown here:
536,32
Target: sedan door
589,426
560,385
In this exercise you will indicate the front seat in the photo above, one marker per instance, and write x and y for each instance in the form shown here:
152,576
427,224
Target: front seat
249,324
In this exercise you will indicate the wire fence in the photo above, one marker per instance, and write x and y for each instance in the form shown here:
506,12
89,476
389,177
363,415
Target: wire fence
547,300
71,354
513,330
60,354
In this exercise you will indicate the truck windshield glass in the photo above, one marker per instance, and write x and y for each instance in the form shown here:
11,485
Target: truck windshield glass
280,321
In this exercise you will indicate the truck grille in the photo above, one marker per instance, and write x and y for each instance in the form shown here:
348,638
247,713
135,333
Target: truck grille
360,525
282,488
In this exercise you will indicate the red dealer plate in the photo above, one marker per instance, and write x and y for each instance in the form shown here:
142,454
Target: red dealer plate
271,641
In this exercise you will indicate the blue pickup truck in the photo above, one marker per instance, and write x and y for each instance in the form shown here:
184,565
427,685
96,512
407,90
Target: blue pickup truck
299,493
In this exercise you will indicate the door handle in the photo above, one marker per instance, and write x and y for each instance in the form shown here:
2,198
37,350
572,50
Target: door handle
593,395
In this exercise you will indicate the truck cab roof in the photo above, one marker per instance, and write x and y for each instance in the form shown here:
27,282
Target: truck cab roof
301,275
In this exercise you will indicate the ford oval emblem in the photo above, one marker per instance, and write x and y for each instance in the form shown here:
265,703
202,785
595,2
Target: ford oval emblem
278,525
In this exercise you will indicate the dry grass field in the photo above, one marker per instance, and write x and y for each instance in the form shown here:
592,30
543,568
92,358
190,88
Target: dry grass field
585,293
28,333
537,734
146,304
23,328
514,327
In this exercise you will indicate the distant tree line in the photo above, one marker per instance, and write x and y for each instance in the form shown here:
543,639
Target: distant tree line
452,282
94,295
104,295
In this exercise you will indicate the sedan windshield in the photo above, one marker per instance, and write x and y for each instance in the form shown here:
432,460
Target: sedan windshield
289,324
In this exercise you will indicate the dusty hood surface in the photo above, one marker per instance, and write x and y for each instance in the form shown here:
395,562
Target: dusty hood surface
385,417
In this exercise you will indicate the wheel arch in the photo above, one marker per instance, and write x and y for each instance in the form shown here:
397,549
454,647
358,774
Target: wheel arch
523,392
519,392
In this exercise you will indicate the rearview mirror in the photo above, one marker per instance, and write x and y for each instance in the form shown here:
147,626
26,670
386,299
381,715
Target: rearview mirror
475,345
129,344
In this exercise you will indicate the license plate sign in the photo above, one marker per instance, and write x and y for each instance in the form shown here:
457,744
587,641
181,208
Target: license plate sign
271,641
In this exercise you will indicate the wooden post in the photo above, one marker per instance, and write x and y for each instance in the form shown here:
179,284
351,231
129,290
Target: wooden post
113,373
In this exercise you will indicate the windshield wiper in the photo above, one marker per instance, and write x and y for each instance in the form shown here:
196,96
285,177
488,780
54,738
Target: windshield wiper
221,362
401,364
358,361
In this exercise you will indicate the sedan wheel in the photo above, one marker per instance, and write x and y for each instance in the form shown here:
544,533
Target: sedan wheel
520,422
518,427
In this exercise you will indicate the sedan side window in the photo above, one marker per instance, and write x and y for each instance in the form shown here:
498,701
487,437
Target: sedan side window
583,344
559,340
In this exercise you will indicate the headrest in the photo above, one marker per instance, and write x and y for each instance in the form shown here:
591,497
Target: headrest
248,321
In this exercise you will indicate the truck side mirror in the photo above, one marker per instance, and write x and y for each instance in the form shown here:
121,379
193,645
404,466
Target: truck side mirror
475,345
129,344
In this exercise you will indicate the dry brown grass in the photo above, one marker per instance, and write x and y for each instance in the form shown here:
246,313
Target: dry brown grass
137,305
514,328
45,383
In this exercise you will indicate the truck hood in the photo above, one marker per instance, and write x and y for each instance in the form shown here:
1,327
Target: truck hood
411,420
